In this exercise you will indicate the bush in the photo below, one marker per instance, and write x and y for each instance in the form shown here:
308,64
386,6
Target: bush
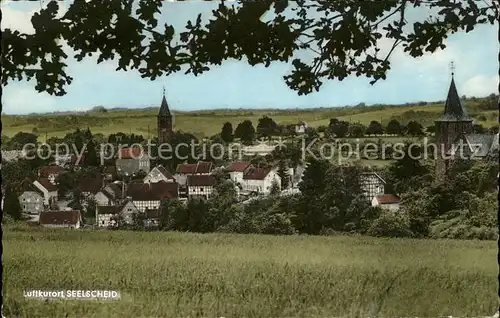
390,225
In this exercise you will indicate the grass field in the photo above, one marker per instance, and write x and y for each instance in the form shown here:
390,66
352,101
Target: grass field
208,123
161,274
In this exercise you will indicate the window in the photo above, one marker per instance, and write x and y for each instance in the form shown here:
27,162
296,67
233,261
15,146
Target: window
129,209
24,199
201,189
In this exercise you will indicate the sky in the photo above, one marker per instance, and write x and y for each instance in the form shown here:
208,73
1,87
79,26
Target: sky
235,84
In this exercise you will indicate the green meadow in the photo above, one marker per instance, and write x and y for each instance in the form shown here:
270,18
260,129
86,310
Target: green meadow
165,274
209,122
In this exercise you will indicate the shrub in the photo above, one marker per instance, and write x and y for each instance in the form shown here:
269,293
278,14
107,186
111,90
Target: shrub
390,225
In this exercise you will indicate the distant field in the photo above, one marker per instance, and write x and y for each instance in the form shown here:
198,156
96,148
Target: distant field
208,123
163,274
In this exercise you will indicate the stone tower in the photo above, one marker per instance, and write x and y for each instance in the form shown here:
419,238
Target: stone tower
453,124
164,122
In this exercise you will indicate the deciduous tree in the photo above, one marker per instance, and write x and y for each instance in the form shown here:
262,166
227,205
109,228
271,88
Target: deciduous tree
343,36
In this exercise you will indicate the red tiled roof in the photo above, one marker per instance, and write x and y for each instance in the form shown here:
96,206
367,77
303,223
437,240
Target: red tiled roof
47,184
131,153
59,217
201,180
194,168
239,166
48,170
256,174
92,185
387,198
186,168
153,191
204,167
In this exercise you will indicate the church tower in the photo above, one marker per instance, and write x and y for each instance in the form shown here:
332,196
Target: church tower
453,124
164,122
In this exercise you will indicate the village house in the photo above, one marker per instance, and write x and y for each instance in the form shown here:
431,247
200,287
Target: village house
61,219
200,186
51,172
132,160
158,174
260,180
48,189
153,218
237,170
389,202
150,195
185,169
110,194
89,187
371,185
301,127
31,198
477,146
108,216
201,167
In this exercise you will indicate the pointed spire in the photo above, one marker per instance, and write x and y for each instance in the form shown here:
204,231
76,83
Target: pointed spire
164,110
454,110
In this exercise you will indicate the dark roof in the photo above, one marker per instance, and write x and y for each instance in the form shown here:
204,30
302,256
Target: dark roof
387,198
48,170
153,191
109,209
200,180
92,185
59,217
256,173
186,168
115,188
165,172
365,175
477,145
27,185
164,110
454,110
193,168
239,166
47,184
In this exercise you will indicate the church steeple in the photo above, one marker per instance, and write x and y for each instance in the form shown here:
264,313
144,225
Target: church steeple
164,120
454,109
453,125
164,110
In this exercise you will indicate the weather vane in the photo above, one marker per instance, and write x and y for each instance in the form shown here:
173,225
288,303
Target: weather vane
163,90
452,67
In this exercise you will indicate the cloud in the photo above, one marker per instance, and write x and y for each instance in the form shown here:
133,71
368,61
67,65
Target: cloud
480,86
